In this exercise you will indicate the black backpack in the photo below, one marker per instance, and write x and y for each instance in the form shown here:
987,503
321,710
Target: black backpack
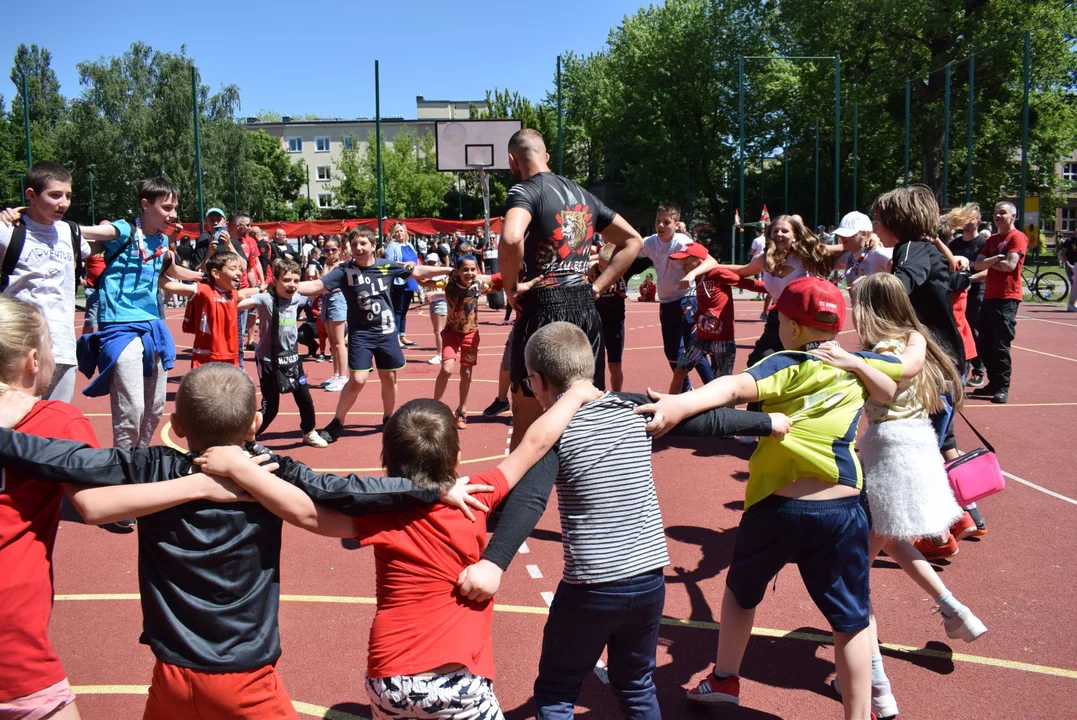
14,251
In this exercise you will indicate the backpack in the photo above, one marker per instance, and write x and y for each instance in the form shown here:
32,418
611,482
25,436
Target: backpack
14,252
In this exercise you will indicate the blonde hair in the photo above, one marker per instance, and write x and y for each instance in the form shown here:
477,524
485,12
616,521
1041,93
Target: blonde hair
22,329
805,244
962,215
883,312
561,353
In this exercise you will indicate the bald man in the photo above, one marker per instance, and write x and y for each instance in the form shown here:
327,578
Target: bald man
549,226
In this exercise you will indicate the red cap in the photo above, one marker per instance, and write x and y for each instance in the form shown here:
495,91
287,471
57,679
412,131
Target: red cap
697,250
806,298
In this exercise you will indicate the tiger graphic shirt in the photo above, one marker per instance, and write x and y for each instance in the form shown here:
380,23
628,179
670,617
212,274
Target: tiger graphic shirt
564,220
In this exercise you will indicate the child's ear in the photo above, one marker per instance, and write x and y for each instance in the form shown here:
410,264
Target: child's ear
256,422
31,196
145,204
177,426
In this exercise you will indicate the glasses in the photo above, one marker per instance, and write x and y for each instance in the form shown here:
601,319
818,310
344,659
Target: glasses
527,381
331,251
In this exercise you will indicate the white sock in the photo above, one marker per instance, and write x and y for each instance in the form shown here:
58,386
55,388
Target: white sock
948,603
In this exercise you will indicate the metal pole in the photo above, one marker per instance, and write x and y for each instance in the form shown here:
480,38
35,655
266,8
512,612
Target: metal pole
198,146
740,157
235,197
908,104
837,140
946,139
459,199
856,149
971,114
93,213
377,134
785,167
560,143
1026,81
26,121
310,208
815,212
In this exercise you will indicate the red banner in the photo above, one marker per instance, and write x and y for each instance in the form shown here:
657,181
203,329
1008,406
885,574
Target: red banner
415,226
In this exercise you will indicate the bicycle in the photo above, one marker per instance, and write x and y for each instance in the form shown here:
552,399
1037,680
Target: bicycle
1049,286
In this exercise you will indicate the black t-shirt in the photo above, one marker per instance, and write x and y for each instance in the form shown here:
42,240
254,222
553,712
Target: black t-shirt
564,219
202,247
266,255
208,573
970,249
1069,250
366,288
185,253
924,272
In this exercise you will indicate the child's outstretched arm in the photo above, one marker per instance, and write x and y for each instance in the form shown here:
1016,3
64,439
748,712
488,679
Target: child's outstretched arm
669,410
177,288
880,388
698,271
103,505
311,288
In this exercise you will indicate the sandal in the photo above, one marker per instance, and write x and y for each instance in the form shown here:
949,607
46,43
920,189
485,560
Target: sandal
461,419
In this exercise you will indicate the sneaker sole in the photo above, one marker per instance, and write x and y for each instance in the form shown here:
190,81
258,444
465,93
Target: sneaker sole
884,706
714,698
966,533
969,632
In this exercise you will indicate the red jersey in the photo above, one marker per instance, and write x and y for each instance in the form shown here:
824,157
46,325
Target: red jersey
422,622
29,518
212,316
95,265
250,247
714,298
1000,285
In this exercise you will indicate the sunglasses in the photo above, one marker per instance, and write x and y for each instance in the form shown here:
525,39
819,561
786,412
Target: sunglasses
331,251
527,381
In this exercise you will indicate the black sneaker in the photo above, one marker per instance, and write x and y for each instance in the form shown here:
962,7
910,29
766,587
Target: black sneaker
976,379
128,525
332,431
1001,397
984,391
256,449
497,407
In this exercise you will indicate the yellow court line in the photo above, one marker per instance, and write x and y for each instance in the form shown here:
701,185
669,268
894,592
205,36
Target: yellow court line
1040,352
674,622
300,707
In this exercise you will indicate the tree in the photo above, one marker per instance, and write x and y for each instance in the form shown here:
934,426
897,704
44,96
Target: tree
412,185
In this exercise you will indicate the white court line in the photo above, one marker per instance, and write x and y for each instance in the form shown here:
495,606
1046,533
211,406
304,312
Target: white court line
534,572
1053,322
523,548
1044,490
548,597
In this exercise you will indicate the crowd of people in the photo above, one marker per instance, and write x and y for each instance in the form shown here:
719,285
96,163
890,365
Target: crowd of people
933,303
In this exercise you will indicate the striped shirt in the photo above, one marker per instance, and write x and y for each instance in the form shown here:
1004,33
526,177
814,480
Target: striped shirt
611,526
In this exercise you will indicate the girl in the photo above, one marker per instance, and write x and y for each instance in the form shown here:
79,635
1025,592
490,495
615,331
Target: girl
439,310
863,253
905,480
461,333
400,250
335,317
33,683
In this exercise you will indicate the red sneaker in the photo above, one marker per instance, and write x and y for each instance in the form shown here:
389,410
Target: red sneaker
931,551
713,690
965,527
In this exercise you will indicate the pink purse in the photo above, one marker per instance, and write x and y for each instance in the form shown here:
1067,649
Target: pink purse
976,474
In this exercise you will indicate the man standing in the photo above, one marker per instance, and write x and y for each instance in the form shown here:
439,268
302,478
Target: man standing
1067,253
281,249
1003,256
549,224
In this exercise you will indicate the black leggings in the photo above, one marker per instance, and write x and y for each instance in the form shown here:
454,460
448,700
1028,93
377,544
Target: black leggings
271,404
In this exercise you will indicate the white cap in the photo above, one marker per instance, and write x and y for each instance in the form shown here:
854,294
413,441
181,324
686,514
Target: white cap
853,223
432,257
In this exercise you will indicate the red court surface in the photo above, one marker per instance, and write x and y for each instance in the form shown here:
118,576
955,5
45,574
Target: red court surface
1019,579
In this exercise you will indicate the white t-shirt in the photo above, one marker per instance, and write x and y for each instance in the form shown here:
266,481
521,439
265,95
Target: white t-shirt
45,278
669,271
759,246
866,261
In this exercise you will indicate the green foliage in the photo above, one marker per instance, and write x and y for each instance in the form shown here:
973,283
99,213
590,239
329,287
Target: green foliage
412,185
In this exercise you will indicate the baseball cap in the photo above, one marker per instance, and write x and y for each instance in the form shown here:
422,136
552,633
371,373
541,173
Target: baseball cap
696,250
852,224
215,210
812,302
431,257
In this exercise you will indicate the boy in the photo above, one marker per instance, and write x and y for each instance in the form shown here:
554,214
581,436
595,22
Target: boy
42,258
611,308
212,313
802,503
613,590
366,281
209,574
713,335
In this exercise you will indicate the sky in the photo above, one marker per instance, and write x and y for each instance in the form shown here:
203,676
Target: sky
318,57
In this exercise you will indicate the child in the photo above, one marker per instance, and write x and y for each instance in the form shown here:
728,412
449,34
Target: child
802,503
908,492
614,544
429,651
439,309
611,308
205,560
213,311
648,291
334,317
713,336
365,283
280,368
43,257
461,334
33,683
863,253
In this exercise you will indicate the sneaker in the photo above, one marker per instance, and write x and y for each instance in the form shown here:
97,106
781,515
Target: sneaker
882,705
256,449
315,440
747,439
984,391
461,419
763,317
1001,397
320,357
404,342
713,690
497,407
336,386
962,626
126,524
326,383
976,379
978,518
436,360
964,528
931,551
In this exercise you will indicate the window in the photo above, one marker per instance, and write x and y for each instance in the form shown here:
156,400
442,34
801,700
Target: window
1069,171
325,200
323,172
349,142
1069,219
295,144
321,144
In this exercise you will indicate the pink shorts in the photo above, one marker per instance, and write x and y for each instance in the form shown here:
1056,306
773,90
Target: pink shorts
38,705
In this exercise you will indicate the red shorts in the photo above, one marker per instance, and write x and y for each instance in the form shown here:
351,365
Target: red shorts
466,346
179,693
200,359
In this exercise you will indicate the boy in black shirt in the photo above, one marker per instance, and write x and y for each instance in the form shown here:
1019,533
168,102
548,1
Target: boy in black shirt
967,243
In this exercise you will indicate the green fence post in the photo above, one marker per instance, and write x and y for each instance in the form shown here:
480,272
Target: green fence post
197,145
837,140
971,114
815,212
856,149
377,133
946,139
1027,80
908,104
560,142
26,122
740,155
93,214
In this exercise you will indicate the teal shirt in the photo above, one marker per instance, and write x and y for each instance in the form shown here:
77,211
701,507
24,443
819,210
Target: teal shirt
128,287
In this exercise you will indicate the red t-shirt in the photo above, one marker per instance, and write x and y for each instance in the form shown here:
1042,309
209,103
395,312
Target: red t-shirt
422,622
29,518
714,301
1000,285
212,316
95,265
250,247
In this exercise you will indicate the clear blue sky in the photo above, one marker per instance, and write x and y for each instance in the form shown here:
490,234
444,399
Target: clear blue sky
318,57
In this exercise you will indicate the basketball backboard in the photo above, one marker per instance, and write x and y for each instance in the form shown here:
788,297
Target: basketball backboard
464,145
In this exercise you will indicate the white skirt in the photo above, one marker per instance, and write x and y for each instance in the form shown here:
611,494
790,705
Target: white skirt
908,492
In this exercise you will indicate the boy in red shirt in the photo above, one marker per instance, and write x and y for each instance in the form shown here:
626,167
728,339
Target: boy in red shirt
212,314
713,334
429,646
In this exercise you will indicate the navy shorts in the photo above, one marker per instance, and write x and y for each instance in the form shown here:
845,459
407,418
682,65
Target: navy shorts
828,541
365,351
613,337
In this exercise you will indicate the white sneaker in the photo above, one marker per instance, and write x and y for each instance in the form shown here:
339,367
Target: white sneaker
314,440
436,360
747,439
963,625
327,383
336,386
883,705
